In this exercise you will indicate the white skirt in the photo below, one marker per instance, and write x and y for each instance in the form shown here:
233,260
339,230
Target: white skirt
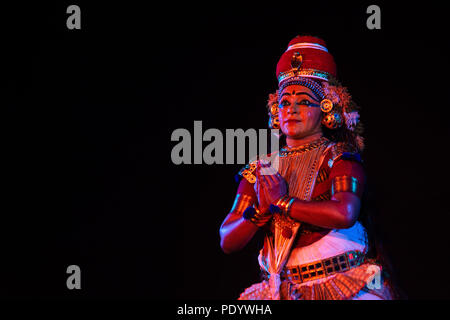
336,242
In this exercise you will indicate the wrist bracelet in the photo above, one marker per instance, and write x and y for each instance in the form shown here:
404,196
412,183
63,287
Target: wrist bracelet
281,202
285,203
288,207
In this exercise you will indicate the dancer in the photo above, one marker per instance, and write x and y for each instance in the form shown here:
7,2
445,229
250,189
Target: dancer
309,204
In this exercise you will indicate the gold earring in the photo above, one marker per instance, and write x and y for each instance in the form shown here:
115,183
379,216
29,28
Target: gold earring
332,120
326,105
274,121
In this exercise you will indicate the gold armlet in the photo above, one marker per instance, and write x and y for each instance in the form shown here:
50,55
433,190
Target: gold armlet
345,184
241,202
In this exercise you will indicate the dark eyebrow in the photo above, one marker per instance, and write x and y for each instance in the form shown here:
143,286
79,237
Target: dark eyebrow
299,93
314,98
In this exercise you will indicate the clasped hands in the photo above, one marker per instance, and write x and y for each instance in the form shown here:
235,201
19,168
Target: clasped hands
269,187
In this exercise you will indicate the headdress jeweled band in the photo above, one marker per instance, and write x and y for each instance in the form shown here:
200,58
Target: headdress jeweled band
306,82
307,45
310,73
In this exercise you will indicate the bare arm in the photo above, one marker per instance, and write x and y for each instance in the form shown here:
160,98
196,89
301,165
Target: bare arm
340,212
235,231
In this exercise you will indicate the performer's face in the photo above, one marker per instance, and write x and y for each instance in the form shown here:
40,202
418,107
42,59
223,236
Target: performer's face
299,112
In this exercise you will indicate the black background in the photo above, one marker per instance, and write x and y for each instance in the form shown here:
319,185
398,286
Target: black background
88,121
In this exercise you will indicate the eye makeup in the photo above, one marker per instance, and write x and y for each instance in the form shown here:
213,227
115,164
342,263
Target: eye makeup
302,103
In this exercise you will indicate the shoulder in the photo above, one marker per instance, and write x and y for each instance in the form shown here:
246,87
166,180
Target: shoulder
343,160
342,151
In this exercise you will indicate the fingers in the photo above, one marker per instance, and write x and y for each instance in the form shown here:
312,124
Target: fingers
260,186
268,173
258,182
276,177
260,178
269,179
270,182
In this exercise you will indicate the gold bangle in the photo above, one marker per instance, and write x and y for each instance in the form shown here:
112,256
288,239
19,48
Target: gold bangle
281,202
285,203
288,207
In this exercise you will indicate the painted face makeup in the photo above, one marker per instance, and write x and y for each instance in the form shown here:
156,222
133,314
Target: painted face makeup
299,112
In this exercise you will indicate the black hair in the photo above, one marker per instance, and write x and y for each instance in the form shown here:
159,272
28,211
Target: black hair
369,217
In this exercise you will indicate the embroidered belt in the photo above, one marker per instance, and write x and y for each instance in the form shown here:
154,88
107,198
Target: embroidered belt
322,268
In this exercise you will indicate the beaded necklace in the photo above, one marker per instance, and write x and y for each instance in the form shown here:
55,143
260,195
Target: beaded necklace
291,151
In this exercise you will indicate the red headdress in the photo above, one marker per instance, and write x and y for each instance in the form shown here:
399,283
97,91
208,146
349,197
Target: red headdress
306,62
307,57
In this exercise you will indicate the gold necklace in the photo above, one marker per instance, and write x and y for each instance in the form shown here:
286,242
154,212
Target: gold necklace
288,151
